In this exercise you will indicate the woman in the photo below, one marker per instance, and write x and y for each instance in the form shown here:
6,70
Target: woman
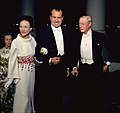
21,68
6,96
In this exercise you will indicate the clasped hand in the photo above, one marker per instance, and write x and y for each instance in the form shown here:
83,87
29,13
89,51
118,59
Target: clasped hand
74,71
55,60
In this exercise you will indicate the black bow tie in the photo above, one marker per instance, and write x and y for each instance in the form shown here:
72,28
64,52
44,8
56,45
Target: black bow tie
58,29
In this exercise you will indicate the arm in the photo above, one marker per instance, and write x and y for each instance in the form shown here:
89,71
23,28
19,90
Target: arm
106,58
13,73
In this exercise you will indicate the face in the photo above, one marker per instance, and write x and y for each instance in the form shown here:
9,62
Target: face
24,28
8,40
84,25
56,18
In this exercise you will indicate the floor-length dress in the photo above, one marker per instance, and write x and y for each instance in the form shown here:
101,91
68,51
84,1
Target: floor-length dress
22,68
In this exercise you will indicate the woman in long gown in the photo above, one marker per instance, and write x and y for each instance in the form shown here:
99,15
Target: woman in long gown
21,68
6,96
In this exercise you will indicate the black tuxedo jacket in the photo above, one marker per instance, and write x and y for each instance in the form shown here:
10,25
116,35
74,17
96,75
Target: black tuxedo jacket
45,38
99,40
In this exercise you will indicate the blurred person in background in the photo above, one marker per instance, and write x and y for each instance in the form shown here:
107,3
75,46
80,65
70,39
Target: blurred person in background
6,95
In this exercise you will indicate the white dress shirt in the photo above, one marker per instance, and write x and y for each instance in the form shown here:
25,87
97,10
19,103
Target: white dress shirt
59,39
86,48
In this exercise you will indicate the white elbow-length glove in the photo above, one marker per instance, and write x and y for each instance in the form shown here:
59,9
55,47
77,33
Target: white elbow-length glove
16,80
7,84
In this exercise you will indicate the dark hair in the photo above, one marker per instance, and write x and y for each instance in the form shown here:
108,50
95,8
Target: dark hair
3,37
27,18
7,33
56,9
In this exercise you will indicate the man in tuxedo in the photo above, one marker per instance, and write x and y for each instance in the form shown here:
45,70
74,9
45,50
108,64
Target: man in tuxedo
88,67
53,49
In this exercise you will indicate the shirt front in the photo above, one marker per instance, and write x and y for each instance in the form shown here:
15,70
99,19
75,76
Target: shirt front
86,48
59,39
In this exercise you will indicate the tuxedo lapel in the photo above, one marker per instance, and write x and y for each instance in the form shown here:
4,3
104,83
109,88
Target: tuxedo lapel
96,45
52,39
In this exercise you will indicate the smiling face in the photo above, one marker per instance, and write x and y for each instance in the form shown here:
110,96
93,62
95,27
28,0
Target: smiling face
85,24
24,28
56,18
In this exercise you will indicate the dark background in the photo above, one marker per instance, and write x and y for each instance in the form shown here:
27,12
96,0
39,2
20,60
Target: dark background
10,12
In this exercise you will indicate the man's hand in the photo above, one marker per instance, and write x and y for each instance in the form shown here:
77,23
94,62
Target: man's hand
74,71
105,68
68,72
55,60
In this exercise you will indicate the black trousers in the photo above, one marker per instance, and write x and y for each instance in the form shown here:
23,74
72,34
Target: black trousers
88,96
49,93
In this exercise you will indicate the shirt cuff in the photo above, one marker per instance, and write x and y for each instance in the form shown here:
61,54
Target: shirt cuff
108,63
50,61
74,68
